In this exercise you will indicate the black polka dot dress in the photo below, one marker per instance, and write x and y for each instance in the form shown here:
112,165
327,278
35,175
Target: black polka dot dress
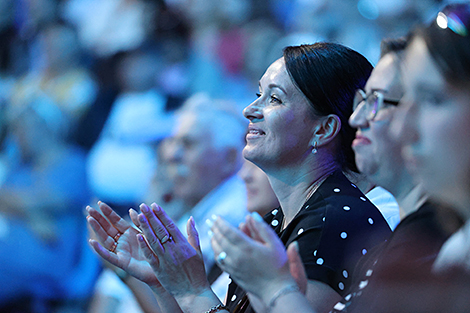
334,228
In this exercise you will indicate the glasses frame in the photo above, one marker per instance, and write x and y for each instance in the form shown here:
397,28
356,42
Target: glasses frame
373,102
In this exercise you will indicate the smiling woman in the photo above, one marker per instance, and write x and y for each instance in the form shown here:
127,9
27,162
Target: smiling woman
300,137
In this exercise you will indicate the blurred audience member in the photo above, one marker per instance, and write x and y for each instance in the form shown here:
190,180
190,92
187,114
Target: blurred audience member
59,76
43,195
204,155
260,196
121,163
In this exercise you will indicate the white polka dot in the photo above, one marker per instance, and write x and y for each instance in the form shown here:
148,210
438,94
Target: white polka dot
354,185
346,208
315,253
320,261
341,286
364,251
275,223
344,235
339,306
274,212
300,231
369,272
363,284
345,274
336,190
362,198
348,297
307,206
234,297
324,219
371,221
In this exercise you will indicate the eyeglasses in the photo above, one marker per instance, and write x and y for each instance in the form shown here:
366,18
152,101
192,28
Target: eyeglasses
373,103
455,17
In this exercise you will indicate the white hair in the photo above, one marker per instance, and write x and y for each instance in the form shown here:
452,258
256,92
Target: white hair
227,126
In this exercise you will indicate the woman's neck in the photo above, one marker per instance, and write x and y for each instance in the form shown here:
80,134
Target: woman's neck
410,200
293,187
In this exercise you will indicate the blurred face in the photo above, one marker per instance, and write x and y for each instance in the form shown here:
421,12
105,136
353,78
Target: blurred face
377,154
194,165
281,125
261,197
434,124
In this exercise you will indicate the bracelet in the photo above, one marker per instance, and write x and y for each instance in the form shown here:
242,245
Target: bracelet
284,291
217,308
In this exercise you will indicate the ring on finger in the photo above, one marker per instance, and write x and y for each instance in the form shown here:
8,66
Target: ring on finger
113,248
221,257
116,238
166,239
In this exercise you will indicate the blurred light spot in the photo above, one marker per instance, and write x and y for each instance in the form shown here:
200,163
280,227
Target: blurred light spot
441,20
368,9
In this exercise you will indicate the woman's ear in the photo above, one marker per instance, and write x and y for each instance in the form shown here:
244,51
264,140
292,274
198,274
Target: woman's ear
326,130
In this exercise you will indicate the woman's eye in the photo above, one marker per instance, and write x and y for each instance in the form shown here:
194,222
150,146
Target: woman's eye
432,99
275,100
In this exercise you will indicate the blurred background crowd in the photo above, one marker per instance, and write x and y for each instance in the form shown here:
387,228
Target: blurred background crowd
88,88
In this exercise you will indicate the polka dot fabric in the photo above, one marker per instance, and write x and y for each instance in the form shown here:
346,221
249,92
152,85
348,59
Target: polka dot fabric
332,230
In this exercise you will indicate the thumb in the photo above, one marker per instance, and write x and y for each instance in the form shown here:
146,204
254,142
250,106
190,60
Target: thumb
296,266
193,235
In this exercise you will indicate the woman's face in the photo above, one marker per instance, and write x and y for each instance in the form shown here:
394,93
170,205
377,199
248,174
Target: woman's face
281,123
377,154
434,123
260,195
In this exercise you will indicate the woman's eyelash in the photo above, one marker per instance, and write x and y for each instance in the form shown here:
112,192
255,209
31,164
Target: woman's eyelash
274,99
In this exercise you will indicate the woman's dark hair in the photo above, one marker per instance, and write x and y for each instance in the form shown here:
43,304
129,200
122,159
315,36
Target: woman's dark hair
448,41
329,74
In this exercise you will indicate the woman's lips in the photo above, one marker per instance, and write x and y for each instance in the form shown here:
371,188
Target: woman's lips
254,132
361,141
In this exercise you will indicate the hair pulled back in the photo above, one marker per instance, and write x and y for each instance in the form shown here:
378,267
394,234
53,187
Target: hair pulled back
329,74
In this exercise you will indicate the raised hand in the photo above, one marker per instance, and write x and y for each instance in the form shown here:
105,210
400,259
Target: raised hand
177,264
254,256
116,242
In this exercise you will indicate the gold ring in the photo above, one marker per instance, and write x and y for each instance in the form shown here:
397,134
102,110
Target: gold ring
113,248
116,238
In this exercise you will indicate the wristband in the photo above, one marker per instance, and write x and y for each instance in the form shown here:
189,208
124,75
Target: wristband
217,308
284,291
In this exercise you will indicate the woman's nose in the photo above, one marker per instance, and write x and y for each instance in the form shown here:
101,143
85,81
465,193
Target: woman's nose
253,111
358,117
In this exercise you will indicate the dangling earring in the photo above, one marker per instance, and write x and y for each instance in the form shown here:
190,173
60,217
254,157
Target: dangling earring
314,149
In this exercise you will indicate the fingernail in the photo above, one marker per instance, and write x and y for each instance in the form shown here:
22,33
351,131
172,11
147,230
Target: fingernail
144,208
256,217
99,202
209,222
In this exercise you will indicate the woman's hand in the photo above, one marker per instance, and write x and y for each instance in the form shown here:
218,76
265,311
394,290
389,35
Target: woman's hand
116,242
255,257
176,261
